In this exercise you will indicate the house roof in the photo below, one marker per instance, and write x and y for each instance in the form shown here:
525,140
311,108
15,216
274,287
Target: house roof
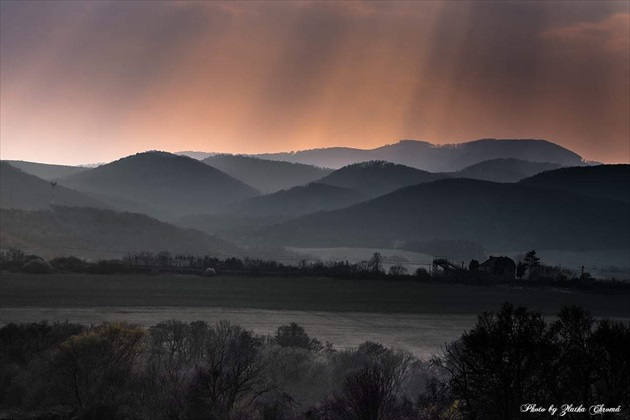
498,260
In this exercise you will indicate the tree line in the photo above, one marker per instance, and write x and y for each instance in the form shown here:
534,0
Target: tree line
511,359
373,268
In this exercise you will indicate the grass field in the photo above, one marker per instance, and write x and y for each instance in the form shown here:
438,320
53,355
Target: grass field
407,314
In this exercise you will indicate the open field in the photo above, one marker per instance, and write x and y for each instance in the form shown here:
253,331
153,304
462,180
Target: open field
416,316
422,334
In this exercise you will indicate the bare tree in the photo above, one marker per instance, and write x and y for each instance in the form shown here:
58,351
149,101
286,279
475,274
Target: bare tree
232,376
176,348
505,361
94,368
294,335
371,392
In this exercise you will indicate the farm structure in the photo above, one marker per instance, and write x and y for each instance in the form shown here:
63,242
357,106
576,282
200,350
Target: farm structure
501,267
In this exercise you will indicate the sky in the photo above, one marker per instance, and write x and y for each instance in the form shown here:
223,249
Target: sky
84,82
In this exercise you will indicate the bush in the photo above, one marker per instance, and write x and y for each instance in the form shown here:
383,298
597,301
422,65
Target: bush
397,270
293,335
68,264
12,259
422,274
231,376
94,369
37,266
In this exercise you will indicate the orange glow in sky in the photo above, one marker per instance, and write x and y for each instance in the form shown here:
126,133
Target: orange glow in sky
89,82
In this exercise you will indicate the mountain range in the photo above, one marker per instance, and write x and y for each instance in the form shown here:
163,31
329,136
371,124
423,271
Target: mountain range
168,185
20,190
501,203
436,158
504,170
266,175
601,181
376,178
98,233
273,208
497,216
45,170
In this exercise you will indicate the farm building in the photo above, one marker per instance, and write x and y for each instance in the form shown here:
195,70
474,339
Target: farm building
502,267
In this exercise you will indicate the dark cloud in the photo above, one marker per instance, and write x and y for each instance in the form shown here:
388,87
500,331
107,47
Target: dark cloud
110,78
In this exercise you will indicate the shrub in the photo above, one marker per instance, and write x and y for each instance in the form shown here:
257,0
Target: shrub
94,369
37,266
69,264
294,335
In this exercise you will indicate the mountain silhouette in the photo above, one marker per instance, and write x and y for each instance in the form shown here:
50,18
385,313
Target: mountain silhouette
504,170
376,178
99,233
276,207
268,176
601,181
20,190
498,216
436,158
196,155
172,185
46,170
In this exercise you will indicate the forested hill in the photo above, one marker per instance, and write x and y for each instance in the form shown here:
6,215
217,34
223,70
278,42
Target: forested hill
89,232
498,216
437,158
172,185
601,181
20,190
376,178
273,208
268,176
46,170
504,170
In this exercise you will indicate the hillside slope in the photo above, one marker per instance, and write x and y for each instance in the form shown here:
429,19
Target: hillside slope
268,176
20,190
376,178
601,181
274,208
99,233
497,216
46,170
172,185
504,170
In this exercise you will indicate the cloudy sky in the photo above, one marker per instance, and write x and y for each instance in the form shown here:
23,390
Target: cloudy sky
93,81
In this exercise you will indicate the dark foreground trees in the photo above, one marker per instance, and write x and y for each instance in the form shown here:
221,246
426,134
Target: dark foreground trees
232,375
501,363
178,370
513,358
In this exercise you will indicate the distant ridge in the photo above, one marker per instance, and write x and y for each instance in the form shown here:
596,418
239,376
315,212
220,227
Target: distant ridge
21,190
378,177
267,176
504,170
88,232
46,170
300,200
196,155
274,208
172,185
497,216
436,158
602,181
